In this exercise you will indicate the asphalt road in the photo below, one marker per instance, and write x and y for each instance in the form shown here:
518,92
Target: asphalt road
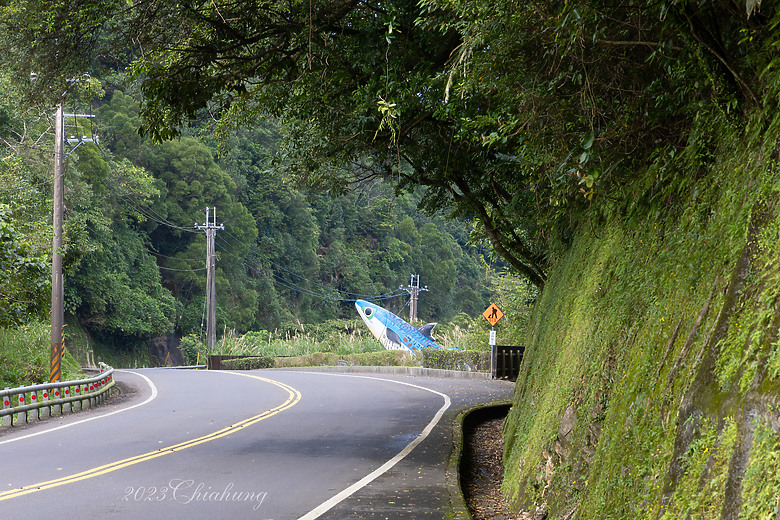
255,445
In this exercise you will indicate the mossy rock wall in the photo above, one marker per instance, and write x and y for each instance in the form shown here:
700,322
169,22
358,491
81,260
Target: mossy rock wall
650,384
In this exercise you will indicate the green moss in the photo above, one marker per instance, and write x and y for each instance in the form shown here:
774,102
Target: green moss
699,493
658,331
761,486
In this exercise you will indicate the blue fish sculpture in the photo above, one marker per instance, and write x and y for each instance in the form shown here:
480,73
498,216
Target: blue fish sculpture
393,332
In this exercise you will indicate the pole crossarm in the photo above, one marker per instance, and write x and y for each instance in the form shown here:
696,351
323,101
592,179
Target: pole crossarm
78,140
413,289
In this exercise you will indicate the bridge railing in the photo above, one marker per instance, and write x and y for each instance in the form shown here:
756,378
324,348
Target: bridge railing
29,403
505,361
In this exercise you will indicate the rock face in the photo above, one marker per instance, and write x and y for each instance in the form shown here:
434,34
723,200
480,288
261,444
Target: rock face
166,350
650,384
568,422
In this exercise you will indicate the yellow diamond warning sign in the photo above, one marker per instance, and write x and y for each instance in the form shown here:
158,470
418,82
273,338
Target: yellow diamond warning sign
493,314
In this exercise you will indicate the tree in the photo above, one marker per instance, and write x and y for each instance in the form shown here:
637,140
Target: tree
112,281
359,84
23,275
189,180
527,118
115,291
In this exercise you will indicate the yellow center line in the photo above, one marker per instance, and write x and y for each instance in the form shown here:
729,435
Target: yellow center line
292,400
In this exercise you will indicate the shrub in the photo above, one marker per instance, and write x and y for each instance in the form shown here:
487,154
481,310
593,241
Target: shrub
470,360
25,355
193,349
378,358
248,363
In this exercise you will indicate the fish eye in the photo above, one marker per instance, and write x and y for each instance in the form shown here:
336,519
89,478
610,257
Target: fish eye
369,311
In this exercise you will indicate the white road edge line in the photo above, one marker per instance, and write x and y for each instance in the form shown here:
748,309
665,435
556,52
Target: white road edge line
150,399
336,499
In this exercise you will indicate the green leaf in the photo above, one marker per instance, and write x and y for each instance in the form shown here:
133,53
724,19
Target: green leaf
587,142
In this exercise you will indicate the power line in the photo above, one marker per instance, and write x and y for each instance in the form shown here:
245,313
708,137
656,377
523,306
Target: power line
297,288
281,281
291,285
154,216
45,182
359,295
173,257
182,270
190,270
149,213
27,187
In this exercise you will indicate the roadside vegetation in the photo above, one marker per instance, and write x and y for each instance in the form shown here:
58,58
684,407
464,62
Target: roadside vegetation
616,162
650,386
25,356
345,342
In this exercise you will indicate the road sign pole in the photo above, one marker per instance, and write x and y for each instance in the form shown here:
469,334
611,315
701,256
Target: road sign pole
492,359
492,314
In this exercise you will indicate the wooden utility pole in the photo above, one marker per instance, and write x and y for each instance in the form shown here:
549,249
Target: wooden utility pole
413,291
57,286
210,227
57,282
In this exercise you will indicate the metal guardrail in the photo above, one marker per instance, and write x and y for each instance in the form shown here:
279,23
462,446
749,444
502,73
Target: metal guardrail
27,403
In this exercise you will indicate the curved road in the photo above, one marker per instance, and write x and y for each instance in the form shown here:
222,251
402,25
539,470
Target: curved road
259,445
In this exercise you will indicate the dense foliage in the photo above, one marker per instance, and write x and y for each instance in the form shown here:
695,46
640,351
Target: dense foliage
134,262
522,116
653,393
621,155
24,356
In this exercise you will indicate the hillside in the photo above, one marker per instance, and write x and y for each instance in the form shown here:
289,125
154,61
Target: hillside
651,382
618,158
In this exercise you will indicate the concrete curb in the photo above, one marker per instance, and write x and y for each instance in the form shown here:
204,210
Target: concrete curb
460,510
399,371
457,501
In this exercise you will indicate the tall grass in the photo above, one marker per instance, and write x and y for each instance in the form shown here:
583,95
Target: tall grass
336,337
321,338
25,356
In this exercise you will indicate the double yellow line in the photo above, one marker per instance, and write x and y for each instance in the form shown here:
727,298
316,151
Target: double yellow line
293,397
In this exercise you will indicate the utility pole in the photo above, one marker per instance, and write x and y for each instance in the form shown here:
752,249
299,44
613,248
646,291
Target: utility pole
57,286
57,282
414,289
210,227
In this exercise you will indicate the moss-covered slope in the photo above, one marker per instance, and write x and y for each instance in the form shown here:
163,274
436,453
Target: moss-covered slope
650,386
